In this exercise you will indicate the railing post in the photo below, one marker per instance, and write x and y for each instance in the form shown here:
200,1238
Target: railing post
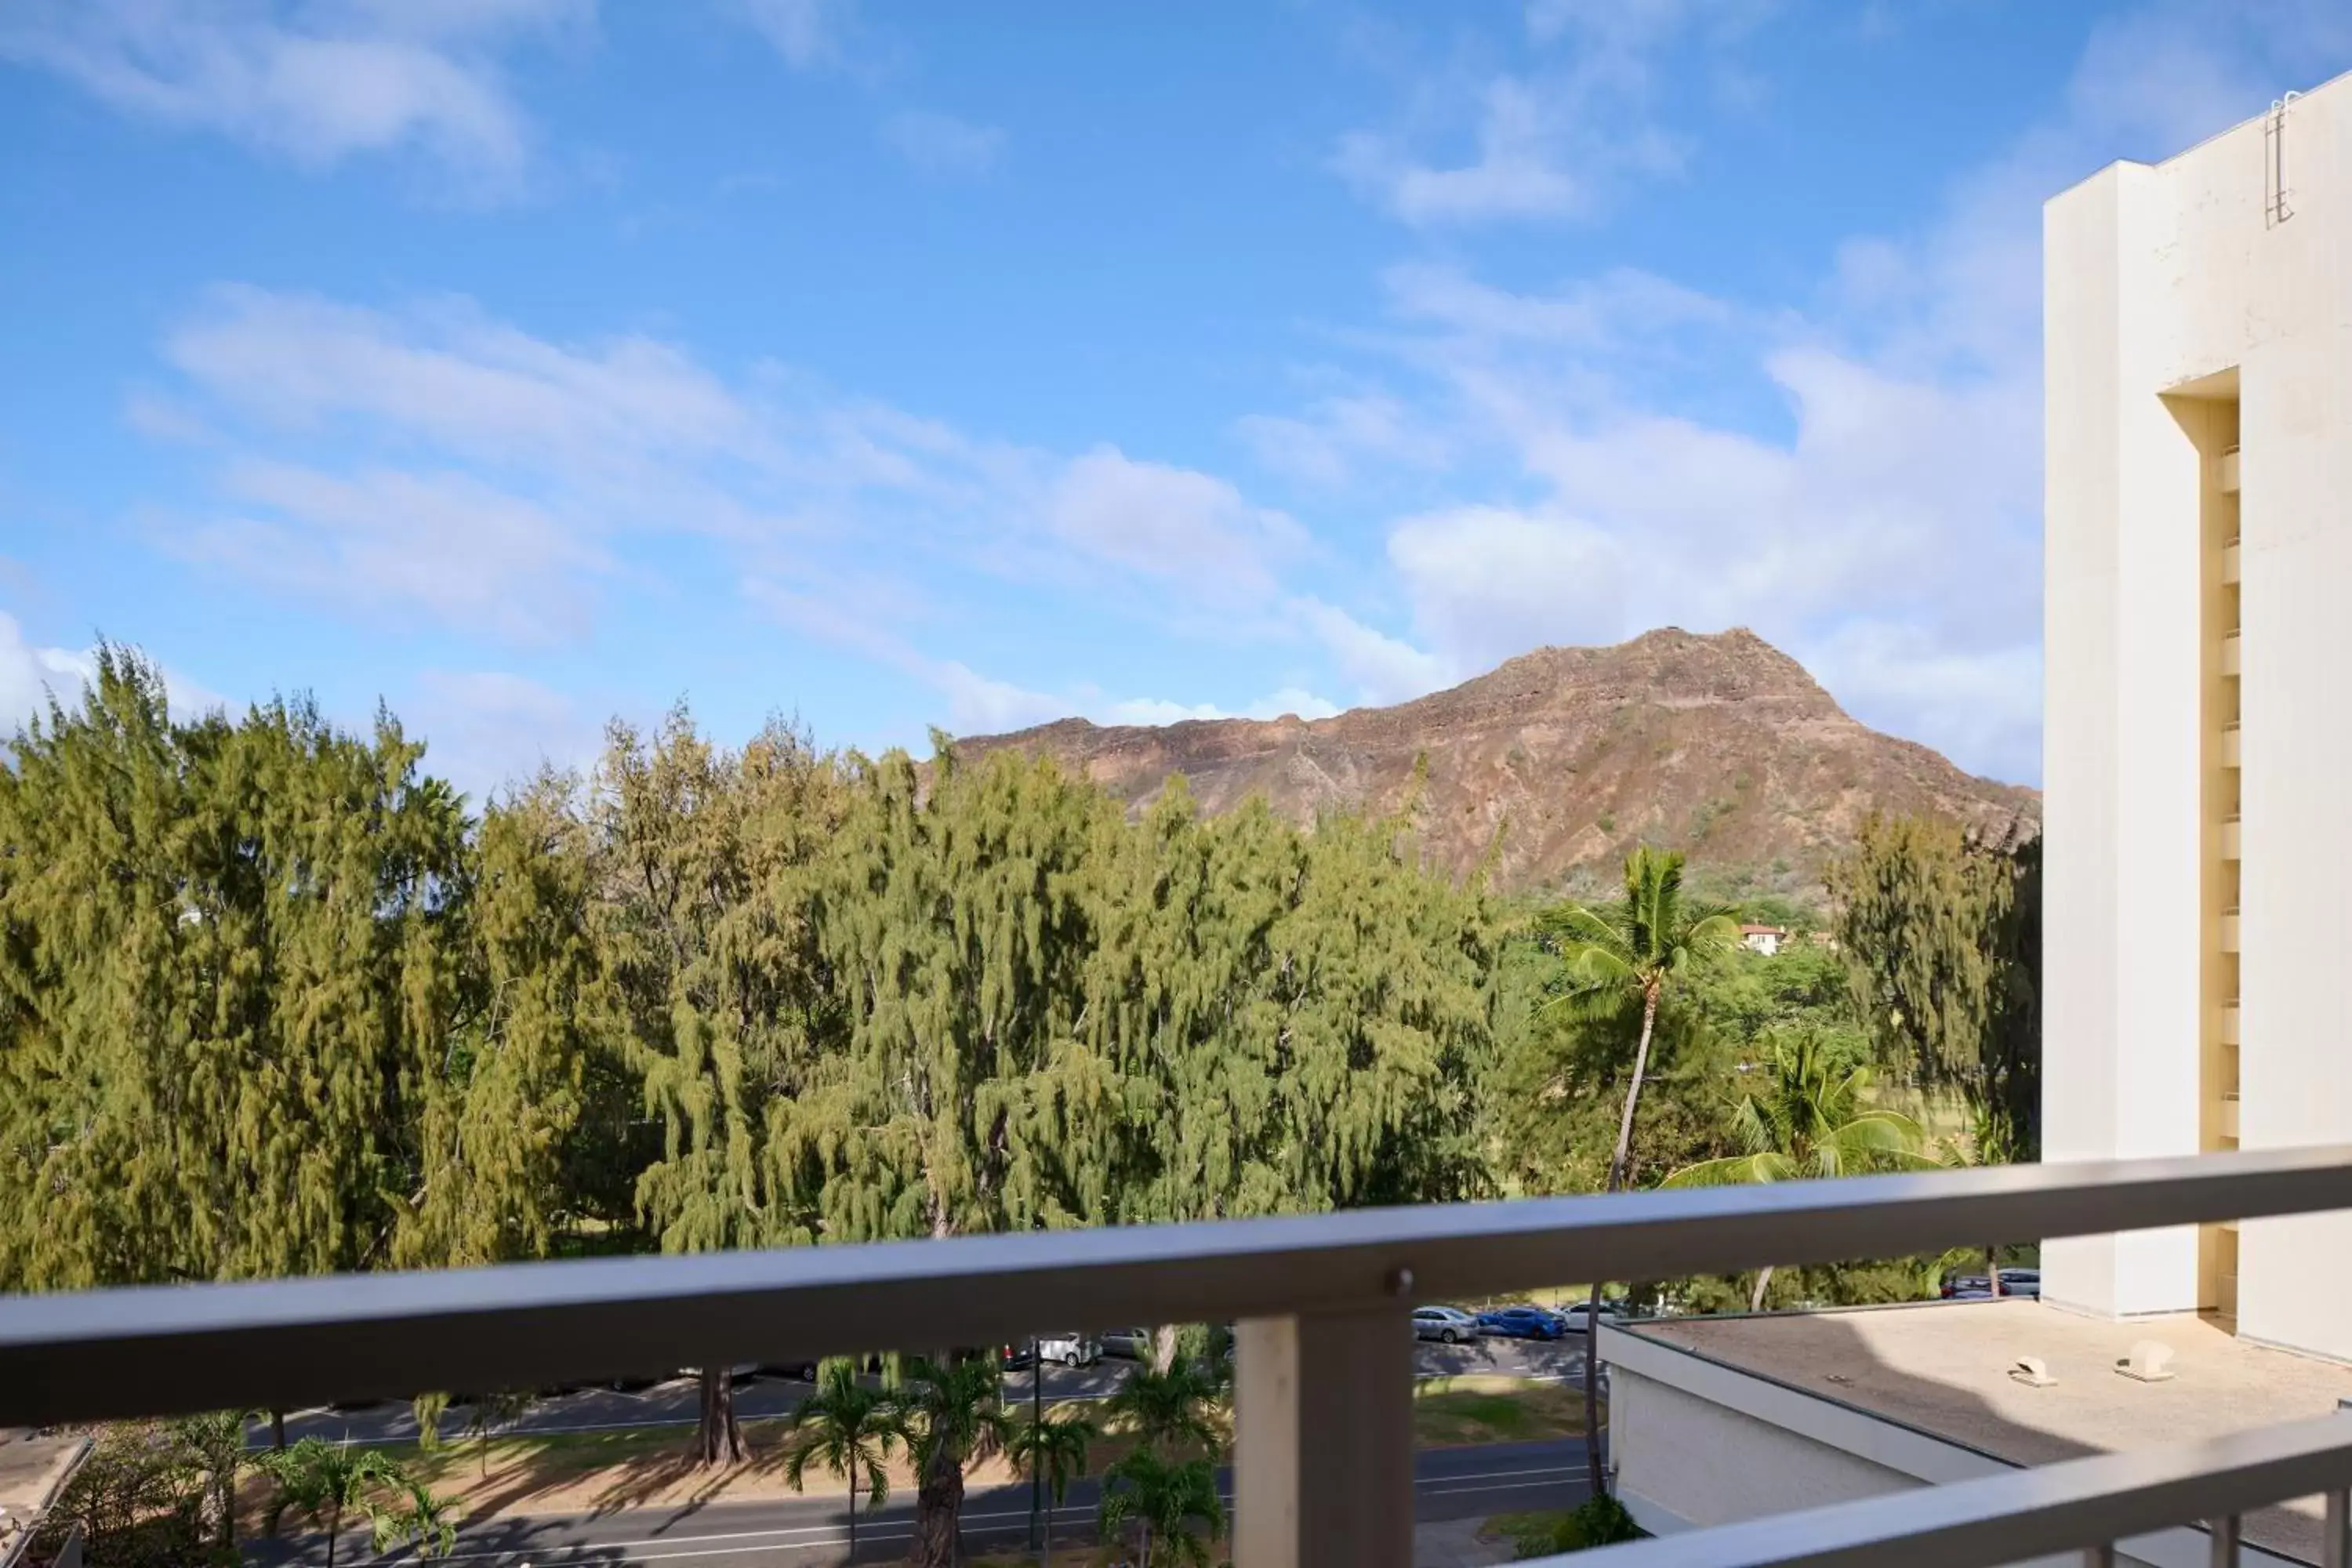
2224,1533
2335,1550
1323,1440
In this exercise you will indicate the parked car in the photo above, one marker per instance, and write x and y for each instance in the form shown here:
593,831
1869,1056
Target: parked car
792,1371
1523,1322
1447,1325
1063,1349
1573,1317
1128,1344
2026,1282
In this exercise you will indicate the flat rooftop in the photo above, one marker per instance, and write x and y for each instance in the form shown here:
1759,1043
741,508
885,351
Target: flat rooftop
32,1470
1943,1369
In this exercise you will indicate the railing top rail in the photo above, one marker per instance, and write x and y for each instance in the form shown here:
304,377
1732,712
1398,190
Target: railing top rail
2022,1514
286,1343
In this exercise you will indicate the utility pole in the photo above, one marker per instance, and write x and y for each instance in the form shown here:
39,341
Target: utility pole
1036,1416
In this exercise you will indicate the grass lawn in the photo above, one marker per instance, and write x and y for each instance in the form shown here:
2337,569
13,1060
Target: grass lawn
580,1472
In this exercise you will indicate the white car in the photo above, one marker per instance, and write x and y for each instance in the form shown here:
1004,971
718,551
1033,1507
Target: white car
1447,1325
1579,1317
1070,1350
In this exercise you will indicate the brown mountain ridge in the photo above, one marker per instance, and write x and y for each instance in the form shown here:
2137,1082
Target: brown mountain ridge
1720,746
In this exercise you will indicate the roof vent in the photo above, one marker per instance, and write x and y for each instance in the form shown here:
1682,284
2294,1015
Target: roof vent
2032,1371
2149,1362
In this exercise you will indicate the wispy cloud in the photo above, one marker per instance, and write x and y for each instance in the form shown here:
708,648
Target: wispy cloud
806,33
1554,138
942,144
313,83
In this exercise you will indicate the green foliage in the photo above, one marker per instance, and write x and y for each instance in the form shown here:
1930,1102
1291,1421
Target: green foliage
849,1429
1172,1506
155,1494
1810,1117
1941,931
1599,1521
327,1483
1168,1411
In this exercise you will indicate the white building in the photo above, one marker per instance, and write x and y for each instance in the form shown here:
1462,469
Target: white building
2197,843
2199,555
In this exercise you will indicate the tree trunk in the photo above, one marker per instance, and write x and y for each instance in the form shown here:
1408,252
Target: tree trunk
1147,1543
1046,1552
1163,1347
334,1529
1763,1277
1992,1270
853,1512
1592,1468
939,1510
717,1439
278,1429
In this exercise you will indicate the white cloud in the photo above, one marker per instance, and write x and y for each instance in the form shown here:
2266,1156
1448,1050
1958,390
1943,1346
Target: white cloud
1336,435
313,82
942,144
1290,701
488,730
1384,668
384,542
805,32
1557,139
1486,583
32,676
1170,524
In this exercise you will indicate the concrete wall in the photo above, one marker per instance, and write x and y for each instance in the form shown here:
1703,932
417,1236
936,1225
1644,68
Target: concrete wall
2159,280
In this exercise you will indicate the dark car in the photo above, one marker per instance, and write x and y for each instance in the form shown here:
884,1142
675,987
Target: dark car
1524,1323
2021,1282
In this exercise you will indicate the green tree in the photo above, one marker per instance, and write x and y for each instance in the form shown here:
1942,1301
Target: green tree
488,1413
1809,1119
1633,950
955,1415
1941,931
212,1445
1168,1412
428,1409
703,862
1056,1450
1174,1504
327,1483
849,1429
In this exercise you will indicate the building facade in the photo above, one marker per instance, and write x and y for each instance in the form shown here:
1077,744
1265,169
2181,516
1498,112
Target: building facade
2198,330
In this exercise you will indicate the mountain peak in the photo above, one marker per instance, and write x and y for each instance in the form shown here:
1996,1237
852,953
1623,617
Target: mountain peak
1716,743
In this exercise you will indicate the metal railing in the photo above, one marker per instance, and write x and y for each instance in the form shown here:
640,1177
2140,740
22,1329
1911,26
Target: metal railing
1324,1348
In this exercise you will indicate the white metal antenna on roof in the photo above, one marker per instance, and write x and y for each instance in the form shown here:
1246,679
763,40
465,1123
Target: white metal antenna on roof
2276,208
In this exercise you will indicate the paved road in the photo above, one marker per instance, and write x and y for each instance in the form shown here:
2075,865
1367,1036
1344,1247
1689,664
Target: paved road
674,1403
808,1531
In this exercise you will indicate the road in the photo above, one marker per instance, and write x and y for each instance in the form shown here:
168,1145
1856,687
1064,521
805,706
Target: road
674,1403
808,1531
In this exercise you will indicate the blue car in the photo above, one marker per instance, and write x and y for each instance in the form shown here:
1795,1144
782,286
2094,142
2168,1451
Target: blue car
1523,1324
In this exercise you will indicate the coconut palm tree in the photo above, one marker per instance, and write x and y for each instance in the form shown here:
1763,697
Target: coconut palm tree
327,1482
954,1411
1627,952
1167,1410
1055,1449
1174,1504
1809,1119
849,1429
213,1445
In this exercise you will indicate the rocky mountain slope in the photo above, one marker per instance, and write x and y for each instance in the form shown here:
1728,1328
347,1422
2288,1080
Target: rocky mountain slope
1720,746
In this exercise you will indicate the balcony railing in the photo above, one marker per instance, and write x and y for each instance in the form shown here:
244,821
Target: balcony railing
1324,1381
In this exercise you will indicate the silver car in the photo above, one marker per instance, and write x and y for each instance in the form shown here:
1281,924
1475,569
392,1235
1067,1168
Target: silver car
1447,1325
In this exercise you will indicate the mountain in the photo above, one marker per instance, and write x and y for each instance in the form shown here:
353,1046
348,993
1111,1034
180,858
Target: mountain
1720,746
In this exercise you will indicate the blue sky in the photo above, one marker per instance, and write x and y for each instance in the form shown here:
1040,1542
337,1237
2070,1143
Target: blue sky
523,362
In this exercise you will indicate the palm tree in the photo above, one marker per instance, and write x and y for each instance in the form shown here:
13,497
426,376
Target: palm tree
324,1481
1989,1140
428,1409
954,1412
215,1446
1167,1410
1167,1500
426,1524
1053,1447
489,1412
1809,1120
850,1429
1614,956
